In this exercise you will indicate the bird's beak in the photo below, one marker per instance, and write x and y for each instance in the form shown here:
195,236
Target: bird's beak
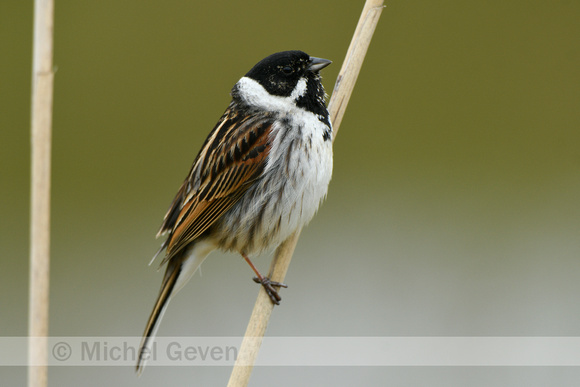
317,64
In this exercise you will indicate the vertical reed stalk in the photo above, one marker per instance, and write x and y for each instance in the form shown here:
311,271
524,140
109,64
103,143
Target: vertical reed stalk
42,94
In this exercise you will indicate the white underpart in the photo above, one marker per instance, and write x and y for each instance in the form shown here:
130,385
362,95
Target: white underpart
292,194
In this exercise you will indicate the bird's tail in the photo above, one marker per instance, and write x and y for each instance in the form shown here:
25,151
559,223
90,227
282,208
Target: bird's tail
179,270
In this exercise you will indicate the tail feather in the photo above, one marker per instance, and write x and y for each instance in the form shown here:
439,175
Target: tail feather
171,276
179,270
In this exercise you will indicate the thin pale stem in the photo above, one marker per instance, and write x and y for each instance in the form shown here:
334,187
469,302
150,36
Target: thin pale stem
42,93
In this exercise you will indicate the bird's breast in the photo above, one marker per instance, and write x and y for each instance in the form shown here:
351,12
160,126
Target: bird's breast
289,192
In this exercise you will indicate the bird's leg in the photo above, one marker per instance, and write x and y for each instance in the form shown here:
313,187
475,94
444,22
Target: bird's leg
266,283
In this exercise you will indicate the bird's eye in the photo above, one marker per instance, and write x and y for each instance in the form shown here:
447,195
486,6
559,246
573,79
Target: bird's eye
287,70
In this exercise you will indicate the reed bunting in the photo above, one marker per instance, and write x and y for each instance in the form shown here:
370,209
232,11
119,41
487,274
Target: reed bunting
259,177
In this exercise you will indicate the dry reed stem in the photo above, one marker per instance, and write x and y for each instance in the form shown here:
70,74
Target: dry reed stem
42,94
340,96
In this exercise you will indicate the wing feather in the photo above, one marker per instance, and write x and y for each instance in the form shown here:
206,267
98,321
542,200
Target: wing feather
233,157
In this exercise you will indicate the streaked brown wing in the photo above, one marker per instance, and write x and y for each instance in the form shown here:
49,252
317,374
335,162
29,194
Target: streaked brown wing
231,159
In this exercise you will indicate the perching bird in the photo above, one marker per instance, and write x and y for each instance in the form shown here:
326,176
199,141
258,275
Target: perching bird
259,177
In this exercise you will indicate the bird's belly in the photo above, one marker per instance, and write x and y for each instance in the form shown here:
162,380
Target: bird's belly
283,201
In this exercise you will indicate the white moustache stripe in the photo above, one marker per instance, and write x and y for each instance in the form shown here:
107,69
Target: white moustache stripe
299,90
254,94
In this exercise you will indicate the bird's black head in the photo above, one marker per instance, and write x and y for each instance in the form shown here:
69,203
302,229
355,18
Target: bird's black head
292,74
279,73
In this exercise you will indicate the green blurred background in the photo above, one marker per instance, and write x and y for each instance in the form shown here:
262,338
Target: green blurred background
453,210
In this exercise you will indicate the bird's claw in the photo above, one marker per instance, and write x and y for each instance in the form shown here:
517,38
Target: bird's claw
269,288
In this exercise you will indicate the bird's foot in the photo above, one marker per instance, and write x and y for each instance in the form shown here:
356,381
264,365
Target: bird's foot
269,288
